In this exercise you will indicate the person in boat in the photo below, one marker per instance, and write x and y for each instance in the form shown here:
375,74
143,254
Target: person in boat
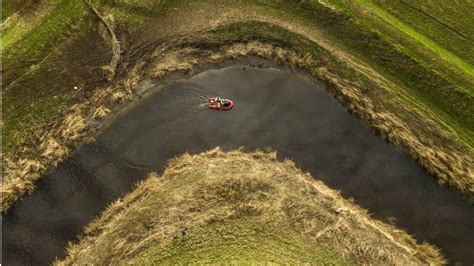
219,102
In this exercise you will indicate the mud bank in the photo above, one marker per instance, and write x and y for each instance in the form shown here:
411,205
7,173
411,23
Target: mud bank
289,113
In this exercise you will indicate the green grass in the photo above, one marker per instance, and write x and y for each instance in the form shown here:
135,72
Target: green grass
24,109
436,49
242,241
25,47
423,87
264,32
406,35
10,7
34,102
6,12
444,23
130,13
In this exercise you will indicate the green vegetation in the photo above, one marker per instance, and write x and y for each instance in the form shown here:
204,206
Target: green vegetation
239,208
241,241
37,31
259,31
45,56
10,7
443,23
131,13
25,45
26,110
420,86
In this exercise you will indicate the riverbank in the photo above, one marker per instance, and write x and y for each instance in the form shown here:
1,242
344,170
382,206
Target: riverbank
234,206
185,40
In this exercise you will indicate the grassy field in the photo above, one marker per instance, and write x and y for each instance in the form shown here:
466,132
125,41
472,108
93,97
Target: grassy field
440,55
32,36
421,86
241,241
443,23
46,53
240,208
435,54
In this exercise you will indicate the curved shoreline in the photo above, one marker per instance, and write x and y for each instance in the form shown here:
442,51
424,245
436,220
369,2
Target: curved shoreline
446,163
131,146
173,43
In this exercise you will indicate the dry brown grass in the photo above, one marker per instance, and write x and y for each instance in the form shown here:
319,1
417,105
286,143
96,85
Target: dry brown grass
218,188
101,112
22,169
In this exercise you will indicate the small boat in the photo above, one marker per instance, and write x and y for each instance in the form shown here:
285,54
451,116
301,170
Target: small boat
226,104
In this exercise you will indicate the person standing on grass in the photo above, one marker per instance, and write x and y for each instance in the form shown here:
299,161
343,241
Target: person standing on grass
183,231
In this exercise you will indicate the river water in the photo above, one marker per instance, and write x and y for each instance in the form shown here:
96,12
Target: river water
274,108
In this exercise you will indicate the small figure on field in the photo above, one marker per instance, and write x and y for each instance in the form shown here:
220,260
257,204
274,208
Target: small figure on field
183,231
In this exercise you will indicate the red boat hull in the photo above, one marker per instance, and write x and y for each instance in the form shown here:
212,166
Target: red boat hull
228,104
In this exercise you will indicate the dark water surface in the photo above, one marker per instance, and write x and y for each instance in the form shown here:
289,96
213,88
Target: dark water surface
276,109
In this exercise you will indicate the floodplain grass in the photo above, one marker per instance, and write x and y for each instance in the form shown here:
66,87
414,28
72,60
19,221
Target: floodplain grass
446,23
452,59
240,207
24,47
242,241
424,87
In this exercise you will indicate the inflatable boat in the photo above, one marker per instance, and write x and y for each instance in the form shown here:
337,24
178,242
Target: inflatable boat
227,104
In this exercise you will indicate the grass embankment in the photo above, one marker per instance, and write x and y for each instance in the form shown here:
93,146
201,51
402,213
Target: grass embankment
240,208
443,40
49,50
419,85
28,40
440,26
29,97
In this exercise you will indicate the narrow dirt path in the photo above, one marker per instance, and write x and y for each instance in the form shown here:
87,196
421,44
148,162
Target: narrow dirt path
114,41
